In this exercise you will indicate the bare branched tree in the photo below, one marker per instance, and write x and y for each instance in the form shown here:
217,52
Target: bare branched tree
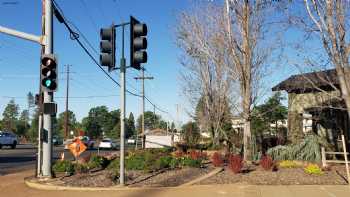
225,50
246,28
201,36
329,20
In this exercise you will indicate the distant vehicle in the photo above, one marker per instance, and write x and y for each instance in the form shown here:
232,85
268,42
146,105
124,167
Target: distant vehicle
131,141
8,139
89,143
56,140
107,144
85,139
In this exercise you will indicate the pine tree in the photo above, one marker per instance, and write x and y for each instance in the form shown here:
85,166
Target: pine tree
10,116
130,129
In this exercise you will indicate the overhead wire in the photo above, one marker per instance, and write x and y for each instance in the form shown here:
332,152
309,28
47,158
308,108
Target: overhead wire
75,36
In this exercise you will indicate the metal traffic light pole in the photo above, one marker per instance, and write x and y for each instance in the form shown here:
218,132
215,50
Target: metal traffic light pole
141,43
122,108
122,112
45,40
48,96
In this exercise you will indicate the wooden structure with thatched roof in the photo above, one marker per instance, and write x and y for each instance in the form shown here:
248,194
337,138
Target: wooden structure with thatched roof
315,104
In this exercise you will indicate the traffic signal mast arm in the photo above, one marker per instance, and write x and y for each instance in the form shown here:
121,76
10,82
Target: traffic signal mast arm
23,35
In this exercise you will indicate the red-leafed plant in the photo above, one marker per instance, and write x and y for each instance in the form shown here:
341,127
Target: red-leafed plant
235,163
217,160
266,162
179,154
195,154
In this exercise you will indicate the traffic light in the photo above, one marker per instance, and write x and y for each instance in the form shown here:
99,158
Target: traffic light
48,73
107,47
138,43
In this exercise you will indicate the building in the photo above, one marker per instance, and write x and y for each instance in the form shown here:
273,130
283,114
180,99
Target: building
160,138
315,105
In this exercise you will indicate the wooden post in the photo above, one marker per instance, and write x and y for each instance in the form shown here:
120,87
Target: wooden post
346,158
323,157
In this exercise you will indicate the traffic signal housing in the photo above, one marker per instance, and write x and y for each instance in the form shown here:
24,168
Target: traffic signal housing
138,43
107,47
49,73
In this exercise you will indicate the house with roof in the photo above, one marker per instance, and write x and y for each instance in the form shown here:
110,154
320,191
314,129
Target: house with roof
315,105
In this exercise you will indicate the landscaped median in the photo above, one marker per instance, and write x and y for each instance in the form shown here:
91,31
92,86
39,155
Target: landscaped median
164,168
144,168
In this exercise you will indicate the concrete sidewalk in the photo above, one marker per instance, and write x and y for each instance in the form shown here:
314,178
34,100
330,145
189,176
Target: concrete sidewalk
12,185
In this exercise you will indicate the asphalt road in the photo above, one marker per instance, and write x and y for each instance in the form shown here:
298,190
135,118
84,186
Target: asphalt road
24,157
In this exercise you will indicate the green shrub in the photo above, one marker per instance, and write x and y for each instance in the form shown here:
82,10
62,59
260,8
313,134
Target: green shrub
195,163
97,161
288,164
175,163
63,166
81,168
307,150
148,160
163,162
313,169
114,165
135,162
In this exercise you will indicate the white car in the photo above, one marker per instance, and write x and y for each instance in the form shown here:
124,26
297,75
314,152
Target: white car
107,144
8,139
131,141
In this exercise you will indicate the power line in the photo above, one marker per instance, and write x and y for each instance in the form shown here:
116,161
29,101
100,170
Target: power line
75,36
89,15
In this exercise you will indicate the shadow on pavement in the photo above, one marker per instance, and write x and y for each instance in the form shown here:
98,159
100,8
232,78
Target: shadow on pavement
17,159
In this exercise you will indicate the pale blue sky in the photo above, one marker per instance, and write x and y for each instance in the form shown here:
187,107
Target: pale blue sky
19,59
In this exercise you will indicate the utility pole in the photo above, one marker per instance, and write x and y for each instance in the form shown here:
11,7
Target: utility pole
142,78
154,116
66,115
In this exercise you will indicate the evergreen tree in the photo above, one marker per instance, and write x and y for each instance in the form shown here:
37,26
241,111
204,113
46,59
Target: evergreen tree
269,112
61,123
10,116
33,130
151,121
30,104
130,128
22,125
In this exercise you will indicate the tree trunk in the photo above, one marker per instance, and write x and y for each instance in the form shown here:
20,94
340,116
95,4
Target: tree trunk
344,80
247,156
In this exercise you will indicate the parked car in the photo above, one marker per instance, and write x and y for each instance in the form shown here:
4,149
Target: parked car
107,144
8,139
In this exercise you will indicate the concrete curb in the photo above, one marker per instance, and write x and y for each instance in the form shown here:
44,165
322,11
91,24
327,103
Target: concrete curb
41,186
46,186
32,183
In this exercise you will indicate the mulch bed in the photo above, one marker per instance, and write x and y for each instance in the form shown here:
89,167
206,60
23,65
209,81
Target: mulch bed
172,178
283,176
164,178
